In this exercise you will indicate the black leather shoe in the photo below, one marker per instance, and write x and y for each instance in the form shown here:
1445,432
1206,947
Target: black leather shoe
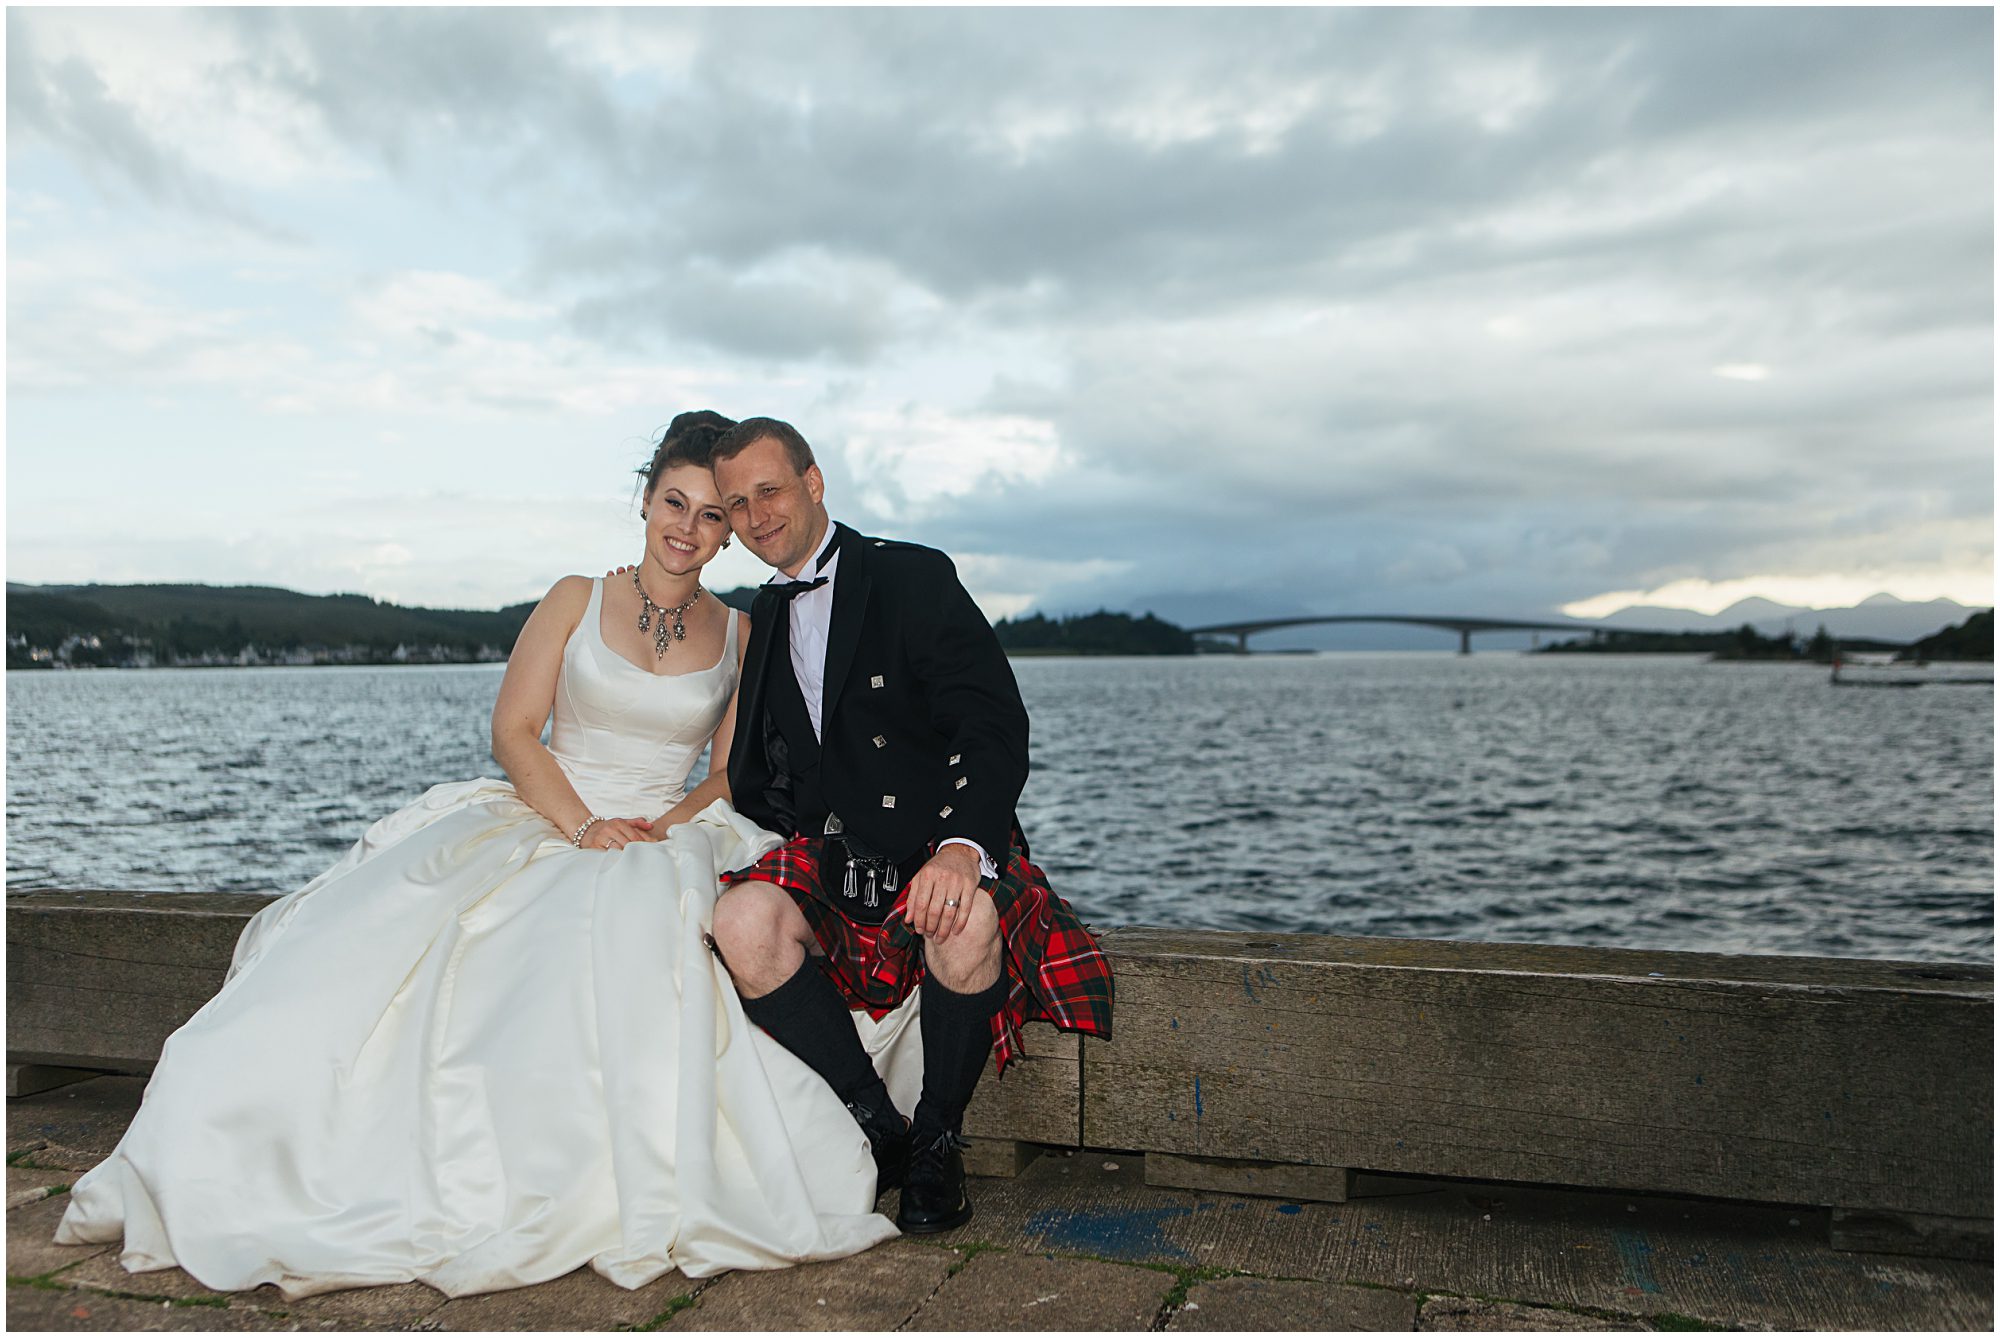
889,1139
934,1195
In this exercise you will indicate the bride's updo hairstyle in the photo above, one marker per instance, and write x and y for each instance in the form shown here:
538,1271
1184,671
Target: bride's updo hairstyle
689,440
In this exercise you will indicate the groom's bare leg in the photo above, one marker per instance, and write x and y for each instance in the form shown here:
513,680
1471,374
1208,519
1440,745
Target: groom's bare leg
764,939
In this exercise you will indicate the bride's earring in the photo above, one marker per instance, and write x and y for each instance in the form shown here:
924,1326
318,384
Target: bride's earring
725,543
642,513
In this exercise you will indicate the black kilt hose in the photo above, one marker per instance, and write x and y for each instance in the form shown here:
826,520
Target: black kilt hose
923,738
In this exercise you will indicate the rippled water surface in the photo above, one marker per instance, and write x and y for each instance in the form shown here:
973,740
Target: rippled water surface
1635,802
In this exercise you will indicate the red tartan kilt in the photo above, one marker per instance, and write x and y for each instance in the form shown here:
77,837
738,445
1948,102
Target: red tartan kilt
1058,971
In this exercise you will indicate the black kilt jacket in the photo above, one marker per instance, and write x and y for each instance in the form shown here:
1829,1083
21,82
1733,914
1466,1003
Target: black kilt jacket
923,734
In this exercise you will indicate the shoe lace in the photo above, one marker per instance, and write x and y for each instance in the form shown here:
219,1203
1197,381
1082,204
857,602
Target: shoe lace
934,1152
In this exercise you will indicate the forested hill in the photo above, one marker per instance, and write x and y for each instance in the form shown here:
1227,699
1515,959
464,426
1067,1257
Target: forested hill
146,625
1970,640
1100,633
246,624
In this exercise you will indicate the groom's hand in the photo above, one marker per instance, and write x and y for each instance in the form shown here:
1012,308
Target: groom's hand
951,875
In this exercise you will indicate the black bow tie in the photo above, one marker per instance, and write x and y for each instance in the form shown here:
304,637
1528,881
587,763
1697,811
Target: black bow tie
791,590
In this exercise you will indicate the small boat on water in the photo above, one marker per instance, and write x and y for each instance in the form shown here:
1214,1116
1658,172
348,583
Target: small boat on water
1863,670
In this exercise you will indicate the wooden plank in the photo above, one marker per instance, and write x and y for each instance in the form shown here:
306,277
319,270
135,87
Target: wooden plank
1862,1084
101,979
1003,1158
1788,1080
1267,1179
1040,1099
1912,1233
28,1079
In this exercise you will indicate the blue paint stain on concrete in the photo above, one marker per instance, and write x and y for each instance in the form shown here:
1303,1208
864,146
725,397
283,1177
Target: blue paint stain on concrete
1288,1208
1110,1233
1697,1080
1174,1023
1197,1098
1247,988
1636,1256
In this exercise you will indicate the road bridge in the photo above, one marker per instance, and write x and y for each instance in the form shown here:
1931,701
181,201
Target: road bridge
1465,627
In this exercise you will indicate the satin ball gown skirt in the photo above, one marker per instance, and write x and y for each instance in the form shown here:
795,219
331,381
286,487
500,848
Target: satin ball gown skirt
472,1056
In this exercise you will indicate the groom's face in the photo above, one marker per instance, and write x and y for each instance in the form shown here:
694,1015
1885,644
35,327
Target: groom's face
774,509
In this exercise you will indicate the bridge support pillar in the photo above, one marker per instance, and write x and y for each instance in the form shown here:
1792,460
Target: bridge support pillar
1465,641
1242,643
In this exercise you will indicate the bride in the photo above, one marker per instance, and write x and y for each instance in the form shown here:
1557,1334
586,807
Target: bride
490,1045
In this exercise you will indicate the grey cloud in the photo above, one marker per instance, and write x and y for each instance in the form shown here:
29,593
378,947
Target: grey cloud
873,137
830,191
762,320
399,84
66,104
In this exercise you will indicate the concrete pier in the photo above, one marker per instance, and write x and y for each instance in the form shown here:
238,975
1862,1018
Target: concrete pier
1289,1132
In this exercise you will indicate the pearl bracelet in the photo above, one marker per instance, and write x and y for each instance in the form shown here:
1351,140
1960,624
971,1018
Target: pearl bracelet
577,839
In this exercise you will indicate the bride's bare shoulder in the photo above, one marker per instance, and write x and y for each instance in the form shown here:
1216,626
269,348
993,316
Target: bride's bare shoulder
567,591
564,604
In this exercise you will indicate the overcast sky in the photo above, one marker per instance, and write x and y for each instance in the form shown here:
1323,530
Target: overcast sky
1387,310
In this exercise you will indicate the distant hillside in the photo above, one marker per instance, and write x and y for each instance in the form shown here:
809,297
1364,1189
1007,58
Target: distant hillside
1970,640
1742,643
202,624
1876,618
1100,633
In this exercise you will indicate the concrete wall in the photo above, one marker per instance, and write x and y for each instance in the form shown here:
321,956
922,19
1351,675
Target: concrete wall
1860,1085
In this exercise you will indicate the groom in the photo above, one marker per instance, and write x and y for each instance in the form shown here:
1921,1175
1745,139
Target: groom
880,727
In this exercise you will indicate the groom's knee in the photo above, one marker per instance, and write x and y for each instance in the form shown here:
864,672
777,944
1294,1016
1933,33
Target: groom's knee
969,959
761,935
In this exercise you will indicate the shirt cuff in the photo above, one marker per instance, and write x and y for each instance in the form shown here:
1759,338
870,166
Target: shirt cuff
987,868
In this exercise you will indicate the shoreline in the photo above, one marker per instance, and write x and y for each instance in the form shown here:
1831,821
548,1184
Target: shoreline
1702,657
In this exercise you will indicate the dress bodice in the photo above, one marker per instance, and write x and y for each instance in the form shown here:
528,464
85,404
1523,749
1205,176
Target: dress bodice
625,737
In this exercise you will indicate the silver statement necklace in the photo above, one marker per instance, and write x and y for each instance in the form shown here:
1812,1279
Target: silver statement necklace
654,619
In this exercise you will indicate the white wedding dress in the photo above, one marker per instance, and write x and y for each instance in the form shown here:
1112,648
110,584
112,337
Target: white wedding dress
473,1056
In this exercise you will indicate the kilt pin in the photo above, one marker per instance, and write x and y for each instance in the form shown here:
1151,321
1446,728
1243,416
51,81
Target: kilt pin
921,739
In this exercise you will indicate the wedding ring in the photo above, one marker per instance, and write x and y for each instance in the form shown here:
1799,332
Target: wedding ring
951,901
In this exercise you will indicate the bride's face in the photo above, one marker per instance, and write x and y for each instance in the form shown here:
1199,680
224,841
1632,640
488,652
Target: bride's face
685,522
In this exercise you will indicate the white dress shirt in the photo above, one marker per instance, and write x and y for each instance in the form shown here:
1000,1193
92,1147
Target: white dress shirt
811,615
